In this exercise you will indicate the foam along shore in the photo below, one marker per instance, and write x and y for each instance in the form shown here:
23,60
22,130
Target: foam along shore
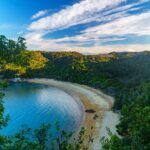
96,108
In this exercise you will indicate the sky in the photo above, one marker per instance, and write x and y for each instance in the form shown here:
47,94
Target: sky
85,26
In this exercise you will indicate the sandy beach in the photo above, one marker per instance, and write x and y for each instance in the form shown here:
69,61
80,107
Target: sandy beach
90,99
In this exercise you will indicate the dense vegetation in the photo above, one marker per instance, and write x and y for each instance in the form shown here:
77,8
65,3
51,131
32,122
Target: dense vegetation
126,76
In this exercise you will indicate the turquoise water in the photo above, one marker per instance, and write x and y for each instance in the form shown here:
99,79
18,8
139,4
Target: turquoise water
31,105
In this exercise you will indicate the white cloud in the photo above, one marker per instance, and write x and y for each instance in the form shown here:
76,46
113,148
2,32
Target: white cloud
39,14
35,42
88,50
78,13
134,24
117,24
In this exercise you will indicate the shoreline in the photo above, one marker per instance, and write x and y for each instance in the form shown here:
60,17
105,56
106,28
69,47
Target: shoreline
88,99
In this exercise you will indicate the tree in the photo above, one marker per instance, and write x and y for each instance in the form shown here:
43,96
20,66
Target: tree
3,45
21,44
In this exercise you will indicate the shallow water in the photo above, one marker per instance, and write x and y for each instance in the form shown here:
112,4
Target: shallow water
30,105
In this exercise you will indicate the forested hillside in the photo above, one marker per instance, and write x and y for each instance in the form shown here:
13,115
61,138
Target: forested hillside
125,76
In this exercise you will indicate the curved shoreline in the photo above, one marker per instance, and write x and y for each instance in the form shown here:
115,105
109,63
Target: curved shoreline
87,98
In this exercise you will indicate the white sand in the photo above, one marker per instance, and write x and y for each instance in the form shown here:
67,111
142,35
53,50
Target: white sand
96,97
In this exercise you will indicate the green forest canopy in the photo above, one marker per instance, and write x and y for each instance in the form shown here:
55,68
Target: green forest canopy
125,76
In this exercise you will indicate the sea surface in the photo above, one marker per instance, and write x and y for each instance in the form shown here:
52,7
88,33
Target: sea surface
29,105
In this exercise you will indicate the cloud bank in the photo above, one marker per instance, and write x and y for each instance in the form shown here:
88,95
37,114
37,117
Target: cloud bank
107,21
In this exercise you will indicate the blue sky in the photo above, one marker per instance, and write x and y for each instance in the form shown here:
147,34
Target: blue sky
86,26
